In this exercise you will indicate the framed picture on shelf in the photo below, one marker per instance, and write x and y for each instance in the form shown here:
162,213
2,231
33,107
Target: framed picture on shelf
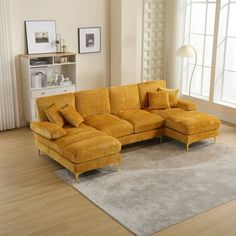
89,40
40,36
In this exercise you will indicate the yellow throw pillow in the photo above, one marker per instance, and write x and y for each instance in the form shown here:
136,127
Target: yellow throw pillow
71,115
53,114
48,130
159,100
173,96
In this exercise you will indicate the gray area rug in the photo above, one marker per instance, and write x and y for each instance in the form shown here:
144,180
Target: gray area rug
158,185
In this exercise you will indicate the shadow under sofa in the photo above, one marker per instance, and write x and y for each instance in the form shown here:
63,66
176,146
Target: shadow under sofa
114,117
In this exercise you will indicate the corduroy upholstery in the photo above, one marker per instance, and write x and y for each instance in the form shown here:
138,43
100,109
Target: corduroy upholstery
71,115
166,112
60,100
186,105
173,96
141,120
124,97
113,117
93,102
83,144
145,87
192,122
159,100
113,125
48,130
53,114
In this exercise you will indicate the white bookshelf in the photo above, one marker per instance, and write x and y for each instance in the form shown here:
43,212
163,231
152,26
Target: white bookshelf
45,75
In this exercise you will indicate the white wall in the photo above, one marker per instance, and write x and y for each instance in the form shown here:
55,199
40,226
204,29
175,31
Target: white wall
115,41
126,41
130,41
172,42
93,69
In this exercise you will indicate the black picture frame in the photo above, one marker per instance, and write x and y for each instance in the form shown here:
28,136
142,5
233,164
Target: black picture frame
89,40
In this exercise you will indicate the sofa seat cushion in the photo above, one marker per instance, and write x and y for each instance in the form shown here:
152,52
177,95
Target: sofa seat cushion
110,124
192,122
166,112
83,144
142,120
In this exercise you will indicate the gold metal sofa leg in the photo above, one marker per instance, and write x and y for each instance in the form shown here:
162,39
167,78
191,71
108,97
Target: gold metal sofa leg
161,139
39,152
187,147
77,177
116,166
214,139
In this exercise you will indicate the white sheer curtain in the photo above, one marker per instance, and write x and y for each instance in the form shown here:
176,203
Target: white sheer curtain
9,114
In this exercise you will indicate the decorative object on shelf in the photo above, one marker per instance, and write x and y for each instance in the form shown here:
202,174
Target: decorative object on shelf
188,52
45,75
63,45
89,40
61,59
40,36
39,62
58,43
67,82
36,81
44,80
39,80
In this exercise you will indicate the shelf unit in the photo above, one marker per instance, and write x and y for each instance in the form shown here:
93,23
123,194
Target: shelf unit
53,67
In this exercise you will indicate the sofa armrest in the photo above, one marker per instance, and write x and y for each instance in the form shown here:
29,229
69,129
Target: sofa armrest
48,130
186,105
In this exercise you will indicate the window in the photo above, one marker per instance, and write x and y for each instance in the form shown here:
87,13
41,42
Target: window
225,77
210,29
199,33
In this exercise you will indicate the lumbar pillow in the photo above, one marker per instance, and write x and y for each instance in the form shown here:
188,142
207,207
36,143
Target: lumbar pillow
53,114
71,115
159,100
48,130
173,96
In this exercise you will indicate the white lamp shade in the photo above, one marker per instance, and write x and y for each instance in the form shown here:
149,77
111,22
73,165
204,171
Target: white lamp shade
185,51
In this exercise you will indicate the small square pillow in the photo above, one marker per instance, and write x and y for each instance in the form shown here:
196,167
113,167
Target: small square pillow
159,100
71,115
173,96
53,114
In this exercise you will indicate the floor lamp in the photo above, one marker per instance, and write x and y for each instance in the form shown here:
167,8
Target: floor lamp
188,52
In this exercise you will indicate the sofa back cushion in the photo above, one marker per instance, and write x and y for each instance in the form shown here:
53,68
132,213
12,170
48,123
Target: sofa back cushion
146,87
93,102
124,97
60,100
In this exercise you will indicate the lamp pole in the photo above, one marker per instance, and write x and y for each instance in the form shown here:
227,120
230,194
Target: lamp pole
191,78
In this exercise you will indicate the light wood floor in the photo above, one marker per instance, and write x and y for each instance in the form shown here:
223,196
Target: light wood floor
34,201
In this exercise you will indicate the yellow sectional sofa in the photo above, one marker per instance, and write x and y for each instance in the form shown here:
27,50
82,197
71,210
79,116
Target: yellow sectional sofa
113,117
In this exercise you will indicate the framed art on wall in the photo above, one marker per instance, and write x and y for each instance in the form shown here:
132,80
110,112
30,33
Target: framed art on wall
89,40
40,36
